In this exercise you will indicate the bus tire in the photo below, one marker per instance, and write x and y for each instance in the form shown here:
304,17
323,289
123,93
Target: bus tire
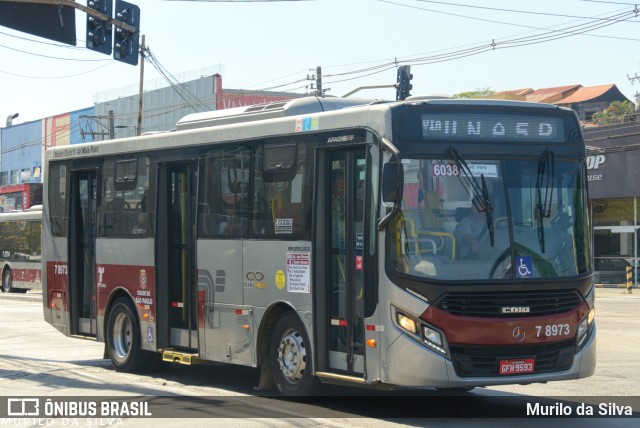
290,358
123,338
7,281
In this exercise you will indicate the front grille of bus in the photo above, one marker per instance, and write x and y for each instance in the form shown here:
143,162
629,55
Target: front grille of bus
484,361
490,304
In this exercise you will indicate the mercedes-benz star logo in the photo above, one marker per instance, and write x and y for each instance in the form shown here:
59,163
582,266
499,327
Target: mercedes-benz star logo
518,334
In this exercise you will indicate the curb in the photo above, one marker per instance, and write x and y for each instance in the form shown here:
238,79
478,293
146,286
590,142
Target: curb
34,296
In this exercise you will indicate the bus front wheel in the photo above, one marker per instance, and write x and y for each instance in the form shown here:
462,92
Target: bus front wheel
291,362
123,338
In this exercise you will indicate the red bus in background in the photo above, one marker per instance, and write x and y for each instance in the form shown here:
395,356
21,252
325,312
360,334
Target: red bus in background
20,238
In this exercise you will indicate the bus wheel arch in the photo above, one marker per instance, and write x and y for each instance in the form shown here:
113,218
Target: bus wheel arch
271,316
123,338
290,357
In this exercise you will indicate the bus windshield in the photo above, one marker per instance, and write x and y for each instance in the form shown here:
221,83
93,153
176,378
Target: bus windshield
491,219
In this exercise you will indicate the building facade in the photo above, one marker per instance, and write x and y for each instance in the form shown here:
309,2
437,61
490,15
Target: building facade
22,146
614,193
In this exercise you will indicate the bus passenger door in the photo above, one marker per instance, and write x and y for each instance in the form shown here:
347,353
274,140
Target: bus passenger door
176,250
82,252
341,260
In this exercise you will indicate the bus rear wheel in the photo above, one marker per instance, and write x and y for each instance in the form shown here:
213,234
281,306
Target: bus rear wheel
123,339
291,361
7,281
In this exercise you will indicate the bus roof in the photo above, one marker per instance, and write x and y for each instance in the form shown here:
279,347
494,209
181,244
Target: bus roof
294,107
251,122
308,105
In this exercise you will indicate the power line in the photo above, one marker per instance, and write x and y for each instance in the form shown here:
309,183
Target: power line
506,10
609,2
51,57
182,92
57,77
490,20
544,37
42,42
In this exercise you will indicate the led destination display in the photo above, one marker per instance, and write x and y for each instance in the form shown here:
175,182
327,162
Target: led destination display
491,127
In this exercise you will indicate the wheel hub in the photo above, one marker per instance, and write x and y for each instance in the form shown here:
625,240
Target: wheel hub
122,333
292,356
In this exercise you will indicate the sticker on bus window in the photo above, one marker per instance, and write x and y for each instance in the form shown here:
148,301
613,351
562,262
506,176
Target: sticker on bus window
524,266
453,170
283,225
445,170
488,170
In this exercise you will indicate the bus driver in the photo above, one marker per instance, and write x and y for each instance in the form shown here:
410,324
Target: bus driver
470,232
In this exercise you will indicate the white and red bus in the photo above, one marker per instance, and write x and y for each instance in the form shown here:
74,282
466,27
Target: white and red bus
20,256
324,239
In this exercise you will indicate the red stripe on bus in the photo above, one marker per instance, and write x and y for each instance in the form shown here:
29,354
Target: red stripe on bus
500,331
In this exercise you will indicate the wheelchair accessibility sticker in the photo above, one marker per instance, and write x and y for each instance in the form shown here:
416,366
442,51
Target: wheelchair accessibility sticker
524,266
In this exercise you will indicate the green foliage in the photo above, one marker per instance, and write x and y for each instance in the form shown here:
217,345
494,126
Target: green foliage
480,92
617,112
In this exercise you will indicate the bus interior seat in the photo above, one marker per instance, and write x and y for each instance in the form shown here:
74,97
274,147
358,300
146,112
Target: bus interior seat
429,240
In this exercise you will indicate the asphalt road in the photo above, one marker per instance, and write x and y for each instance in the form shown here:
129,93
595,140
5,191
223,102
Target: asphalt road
38,361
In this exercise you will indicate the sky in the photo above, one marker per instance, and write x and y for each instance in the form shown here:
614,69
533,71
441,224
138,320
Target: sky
452,46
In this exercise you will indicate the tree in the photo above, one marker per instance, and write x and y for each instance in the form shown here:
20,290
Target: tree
478,93
617,112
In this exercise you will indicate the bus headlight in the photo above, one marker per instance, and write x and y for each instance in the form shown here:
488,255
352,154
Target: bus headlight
406,323
434,339
584,328
420,331
432,335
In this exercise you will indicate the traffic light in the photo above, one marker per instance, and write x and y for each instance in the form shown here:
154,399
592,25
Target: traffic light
403,85
125,43
99,31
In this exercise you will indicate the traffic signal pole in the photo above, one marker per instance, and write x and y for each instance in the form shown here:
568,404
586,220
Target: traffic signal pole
100,25
404,86
80,7
139,127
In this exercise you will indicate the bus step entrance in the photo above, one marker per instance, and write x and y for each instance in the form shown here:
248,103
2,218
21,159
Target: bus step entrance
173,356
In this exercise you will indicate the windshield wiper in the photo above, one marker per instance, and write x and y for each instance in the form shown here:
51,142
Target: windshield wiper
481,193
489,209
546,176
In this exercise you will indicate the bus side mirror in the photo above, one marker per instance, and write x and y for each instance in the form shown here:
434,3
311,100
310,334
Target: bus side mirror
392,182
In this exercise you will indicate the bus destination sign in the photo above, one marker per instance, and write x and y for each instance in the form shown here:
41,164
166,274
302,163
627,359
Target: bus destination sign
491,127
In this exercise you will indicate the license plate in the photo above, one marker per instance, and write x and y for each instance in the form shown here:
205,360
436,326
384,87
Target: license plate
512,367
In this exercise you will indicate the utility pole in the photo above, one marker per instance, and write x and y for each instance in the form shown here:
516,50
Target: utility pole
319,81
139,127
319,91
111,126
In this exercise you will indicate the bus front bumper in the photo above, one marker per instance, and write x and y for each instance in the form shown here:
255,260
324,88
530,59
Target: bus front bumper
410,364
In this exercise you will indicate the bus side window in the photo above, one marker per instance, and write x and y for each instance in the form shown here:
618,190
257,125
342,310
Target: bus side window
35,238
125,197
282,202
223,205
58,199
